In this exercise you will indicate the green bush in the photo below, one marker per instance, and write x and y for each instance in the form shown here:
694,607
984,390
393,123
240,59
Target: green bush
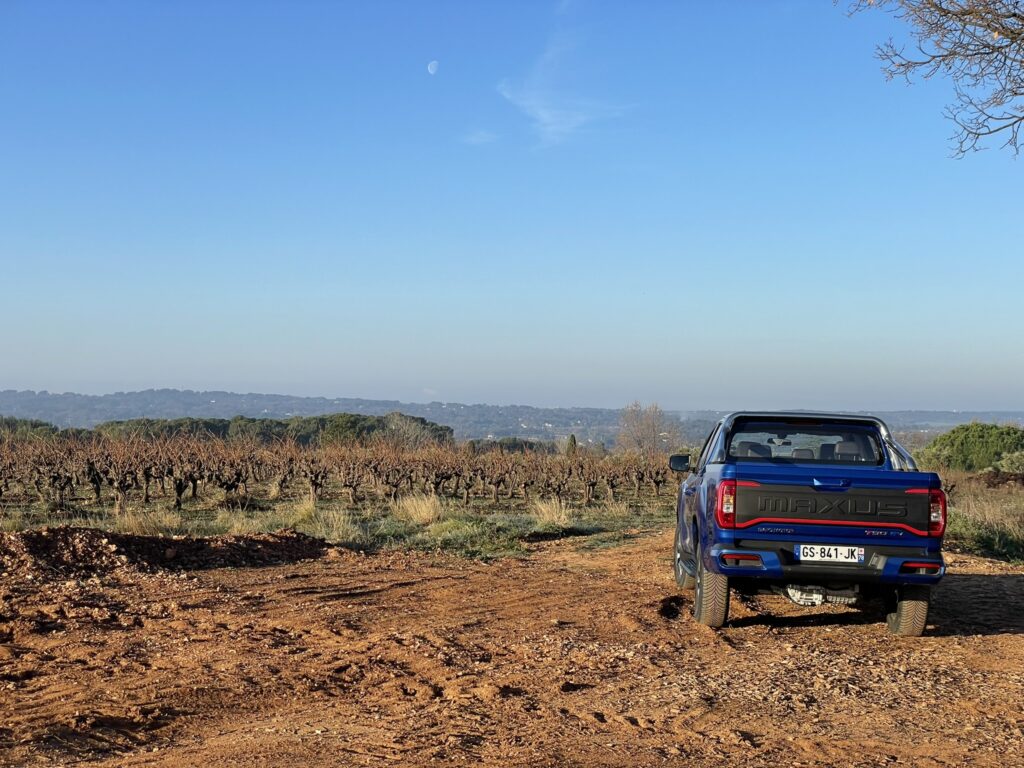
1012,463
972,447
25,427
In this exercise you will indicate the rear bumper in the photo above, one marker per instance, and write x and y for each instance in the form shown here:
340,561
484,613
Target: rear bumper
776,562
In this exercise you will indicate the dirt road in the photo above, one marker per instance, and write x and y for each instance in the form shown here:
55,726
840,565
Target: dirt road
576,658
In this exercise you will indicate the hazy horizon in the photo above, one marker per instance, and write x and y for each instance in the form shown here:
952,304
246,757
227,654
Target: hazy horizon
790,406
555,203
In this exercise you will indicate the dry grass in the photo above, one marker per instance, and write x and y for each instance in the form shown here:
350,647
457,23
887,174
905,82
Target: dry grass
988,520
12,520
480,529
238,523
148,522
337,526
305,507
551,513
615,509
420,509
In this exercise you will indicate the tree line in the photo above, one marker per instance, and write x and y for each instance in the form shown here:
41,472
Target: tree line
304,430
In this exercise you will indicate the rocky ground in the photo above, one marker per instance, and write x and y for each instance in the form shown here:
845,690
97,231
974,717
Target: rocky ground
277,650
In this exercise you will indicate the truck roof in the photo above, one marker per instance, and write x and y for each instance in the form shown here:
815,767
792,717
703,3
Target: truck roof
822,415
903,458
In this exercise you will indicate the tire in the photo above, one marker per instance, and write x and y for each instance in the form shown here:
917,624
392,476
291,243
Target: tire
711,602
909,613
683,579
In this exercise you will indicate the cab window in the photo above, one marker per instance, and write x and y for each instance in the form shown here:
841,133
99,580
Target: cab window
706,450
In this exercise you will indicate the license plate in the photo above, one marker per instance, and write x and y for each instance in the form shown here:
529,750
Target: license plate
826,553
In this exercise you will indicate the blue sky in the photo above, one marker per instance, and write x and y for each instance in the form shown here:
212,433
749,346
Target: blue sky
713,205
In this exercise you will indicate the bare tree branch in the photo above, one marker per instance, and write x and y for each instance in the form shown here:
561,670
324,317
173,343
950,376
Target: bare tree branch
979,45
647,431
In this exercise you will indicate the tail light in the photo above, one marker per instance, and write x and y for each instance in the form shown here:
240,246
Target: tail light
734,559
725,505
936,509
921,569
936,512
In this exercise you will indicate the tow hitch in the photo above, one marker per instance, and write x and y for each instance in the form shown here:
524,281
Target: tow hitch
805,594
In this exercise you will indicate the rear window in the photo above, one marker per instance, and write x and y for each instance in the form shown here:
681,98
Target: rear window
774,441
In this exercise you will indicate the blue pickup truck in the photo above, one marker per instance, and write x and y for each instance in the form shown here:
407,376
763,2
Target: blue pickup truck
821,508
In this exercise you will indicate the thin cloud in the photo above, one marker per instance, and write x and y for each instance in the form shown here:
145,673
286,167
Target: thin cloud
554,115
477,138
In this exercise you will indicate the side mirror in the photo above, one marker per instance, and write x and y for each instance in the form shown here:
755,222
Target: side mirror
679,462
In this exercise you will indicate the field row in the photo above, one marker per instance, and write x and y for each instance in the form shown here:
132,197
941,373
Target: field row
60,472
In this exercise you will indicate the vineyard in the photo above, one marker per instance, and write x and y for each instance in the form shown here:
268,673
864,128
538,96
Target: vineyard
366,494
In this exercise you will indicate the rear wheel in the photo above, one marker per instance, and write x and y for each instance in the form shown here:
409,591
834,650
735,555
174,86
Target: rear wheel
683,579
908,613
711,603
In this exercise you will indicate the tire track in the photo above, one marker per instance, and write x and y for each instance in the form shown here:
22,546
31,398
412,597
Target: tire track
565,658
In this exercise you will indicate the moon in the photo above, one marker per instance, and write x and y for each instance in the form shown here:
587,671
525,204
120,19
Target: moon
432,67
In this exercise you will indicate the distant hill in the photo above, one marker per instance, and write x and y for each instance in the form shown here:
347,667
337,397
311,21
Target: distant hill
468,421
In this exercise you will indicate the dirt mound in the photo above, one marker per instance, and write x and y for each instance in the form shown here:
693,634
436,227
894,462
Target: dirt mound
68,550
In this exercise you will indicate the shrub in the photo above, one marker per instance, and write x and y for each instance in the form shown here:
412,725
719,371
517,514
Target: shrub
972,446
1012,463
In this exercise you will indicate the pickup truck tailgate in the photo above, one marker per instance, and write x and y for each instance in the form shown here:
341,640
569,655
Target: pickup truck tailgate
842,496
